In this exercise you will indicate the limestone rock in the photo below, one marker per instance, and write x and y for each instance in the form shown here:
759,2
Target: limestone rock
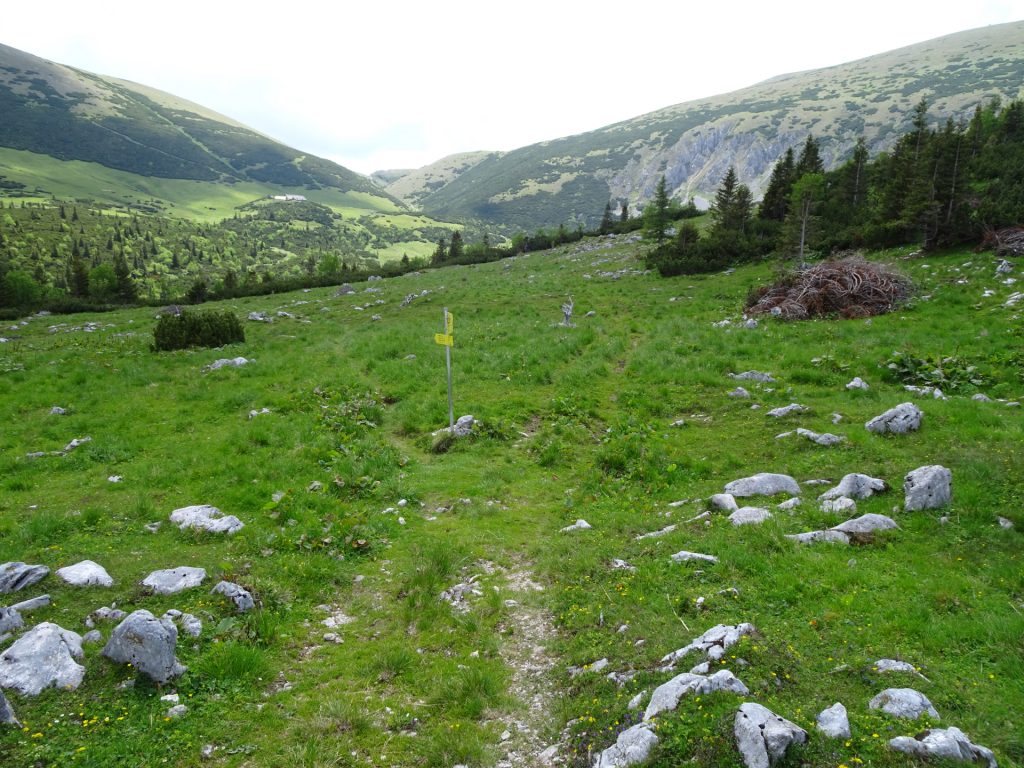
789,504
840,505
866,524
763,737
891,665
42,657
463,426
927,487
58,411
826,439
778,413
229,362
759,376
857,383
724,501
579,525
32,604
191,625
945,743
633,746
713,643
6,713
172,580
86,574
763,484
10,619
238,595
17,575
93,636
1005,523
855,486
206,518
834,722
833,537
666,696
904,702
981,398
905,417
148,644
686,557
749,516
739,392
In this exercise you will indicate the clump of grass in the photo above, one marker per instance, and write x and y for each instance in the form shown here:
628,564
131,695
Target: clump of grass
232,662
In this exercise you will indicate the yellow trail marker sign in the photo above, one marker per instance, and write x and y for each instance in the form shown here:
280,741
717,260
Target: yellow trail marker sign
444,339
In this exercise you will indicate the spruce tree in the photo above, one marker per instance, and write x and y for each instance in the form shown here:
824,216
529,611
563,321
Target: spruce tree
79,277
776,196
455,248
656,214
810,158
606,219
724,197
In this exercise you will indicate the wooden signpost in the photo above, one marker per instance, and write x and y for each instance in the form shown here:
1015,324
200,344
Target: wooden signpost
447,340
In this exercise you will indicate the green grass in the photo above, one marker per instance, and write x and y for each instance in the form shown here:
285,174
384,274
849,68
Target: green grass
576,423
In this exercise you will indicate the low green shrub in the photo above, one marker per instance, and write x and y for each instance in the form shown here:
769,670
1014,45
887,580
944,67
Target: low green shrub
207,328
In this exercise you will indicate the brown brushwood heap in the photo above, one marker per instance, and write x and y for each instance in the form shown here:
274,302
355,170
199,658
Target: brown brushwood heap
850,286
1006,242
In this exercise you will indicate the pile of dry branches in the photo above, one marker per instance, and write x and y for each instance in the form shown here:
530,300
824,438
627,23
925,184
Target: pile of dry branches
1005,242
851,287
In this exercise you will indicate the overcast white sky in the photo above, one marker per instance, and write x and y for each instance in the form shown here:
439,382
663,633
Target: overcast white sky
399,83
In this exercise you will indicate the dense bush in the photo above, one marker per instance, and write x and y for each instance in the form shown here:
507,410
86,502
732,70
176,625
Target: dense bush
210,328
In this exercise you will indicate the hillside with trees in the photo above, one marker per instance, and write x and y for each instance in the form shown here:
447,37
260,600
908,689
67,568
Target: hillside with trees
568,180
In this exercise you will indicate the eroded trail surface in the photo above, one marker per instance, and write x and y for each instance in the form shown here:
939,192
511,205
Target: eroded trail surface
530,742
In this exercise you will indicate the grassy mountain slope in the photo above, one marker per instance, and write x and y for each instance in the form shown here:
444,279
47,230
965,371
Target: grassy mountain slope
613,421
694,143
412,186
65,113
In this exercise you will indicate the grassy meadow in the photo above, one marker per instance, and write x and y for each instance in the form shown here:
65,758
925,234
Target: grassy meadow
611,421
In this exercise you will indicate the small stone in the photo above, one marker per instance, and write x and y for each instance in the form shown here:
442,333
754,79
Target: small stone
1004,523
749,516
6,713
636,701
904,703
236,594
206,518
42,657
685,557
85,574
176,711
948,743
855,486
905,417
579,525
841,505
739,392
315,486
834,722
632,746
928,487
764,378
763,484
115,479
866,524
666,696
763,737
778,413
172,580
16,576
57,411
857,383
724,501
789,504
148,644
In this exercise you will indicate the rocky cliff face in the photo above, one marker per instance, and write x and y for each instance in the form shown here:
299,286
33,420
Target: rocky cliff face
694,143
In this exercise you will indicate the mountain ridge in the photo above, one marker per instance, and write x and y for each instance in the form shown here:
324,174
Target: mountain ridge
71,114
569,179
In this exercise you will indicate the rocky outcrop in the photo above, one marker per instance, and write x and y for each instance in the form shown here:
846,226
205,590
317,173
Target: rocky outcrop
148,644
42,657
944,743
763,737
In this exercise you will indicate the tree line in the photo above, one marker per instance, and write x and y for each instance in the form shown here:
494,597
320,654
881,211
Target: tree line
939,186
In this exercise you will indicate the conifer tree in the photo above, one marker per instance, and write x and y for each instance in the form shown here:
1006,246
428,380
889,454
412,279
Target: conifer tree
79,281
656,214
810,158
606,219
455,248
724,197
776,196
